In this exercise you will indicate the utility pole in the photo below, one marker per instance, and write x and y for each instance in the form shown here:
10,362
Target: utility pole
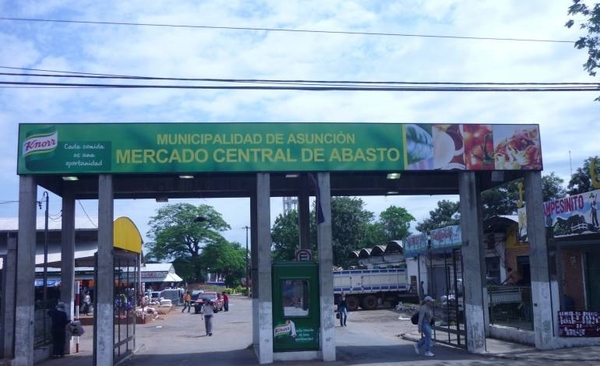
247,257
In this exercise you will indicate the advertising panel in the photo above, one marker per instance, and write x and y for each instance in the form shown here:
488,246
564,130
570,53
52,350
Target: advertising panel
415,244
446,237
573,215
75,148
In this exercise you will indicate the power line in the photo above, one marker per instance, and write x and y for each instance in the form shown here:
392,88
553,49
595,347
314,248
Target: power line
593,87
264,29
86,214
67,74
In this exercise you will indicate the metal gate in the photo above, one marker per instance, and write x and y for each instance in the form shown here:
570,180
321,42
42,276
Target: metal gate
446,268
127,281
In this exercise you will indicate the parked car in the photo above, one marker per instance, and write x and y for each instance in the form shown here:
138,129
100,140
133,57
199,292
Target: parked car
211,296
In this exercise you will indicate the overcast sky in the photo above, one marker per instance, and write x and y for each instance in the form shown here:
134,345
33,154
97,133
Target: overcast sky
568,120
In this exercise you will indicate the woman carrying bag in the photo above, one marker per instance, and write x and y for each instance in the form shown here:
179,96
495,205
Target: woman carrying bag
425,320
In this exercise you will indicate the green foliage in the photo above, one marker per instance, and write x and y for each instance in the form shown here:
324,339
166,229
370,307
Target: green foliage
225,259
581,180
591,41
285,236
446,214
178,237
396,223
352,228
553,187
501,200
349,221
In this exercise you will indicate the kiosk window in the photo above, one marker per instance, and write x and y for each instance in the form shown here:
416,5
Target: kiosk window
295,297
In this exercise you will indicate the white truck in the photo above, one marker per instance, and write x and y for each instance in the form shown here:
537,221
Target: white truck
367,288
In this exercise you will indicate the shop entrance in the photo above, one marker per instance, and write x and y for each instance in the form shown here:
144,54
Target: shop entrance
447,284
592,259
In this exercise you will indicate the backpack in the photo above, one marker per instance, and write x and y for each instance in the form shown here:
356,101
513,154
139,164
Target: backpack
415,318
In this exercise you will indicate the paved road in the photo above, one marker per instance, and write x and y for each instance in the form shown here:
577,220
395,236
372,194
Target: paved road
372,338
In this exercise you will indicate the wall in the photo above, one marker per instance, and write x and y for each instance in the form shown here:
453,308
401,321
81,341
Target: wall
572,277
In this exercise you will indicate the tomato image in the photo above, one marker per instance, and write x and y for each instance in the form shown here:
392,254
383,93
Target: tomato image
478,147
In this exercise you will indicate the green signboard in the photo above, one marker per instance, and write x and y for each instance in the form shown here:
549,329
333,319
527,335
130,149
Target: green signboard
296,306
77,148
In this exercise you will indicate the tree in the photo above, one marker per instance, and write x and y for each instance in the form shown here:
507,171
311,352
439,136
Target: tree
553,187
501,200
581,180
352,228
446,214
395,222
285,236
349,223
591,41
226,259
176,234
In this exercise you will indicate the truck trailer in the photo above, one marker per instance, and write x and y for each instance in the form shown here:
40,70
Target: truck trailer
367,288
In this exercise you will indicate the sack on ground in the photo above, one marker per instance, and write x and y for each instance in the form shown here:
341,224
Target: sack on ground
415,318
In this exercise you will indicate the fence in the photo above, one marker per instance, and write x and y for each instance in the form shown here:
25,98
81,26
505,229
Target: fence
511,306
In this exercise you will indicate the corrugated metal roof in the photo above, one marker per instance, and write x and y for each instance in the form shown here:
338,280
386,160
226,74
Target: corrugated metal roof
158,267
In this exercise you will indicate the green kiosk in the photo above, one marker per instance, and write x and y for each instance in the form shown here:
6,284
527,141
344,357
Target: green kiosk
296,314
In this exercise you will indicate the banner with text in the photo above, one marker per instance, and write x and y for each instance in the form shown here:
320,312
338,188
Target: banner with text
73,148
446,237
415,244
573,215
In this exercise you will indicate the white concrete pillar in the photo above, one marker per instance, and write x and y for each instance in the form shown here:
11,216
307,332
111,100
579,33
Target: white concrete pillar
471,225
25,294
7,338
263,278
325,270
104,287
538,261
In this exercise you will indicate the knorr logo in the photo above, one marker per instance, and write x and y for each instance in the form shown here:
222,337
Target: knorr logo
40,143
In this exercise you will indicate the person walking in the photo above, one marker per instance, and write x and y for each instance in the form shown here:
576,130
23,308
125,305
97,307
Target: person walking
187,301
225,301
343,310
59,333
207,311
425,320
87,303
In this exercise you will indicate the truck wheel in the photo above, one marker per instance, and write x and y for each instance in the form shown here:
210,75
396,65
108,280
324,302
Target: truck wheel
369,303
352,303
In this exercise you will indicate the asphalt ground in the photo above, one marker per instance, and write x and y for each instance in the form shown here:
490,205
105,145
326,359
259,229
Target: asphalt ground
382,337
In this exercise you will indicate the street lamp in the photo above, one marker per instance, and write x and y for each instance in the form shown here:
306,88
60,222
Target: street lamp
46,200
247,269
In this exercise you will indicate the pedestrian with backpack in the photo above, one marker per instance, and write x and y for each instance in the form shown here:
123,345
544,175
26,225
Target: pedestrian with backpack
424,323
